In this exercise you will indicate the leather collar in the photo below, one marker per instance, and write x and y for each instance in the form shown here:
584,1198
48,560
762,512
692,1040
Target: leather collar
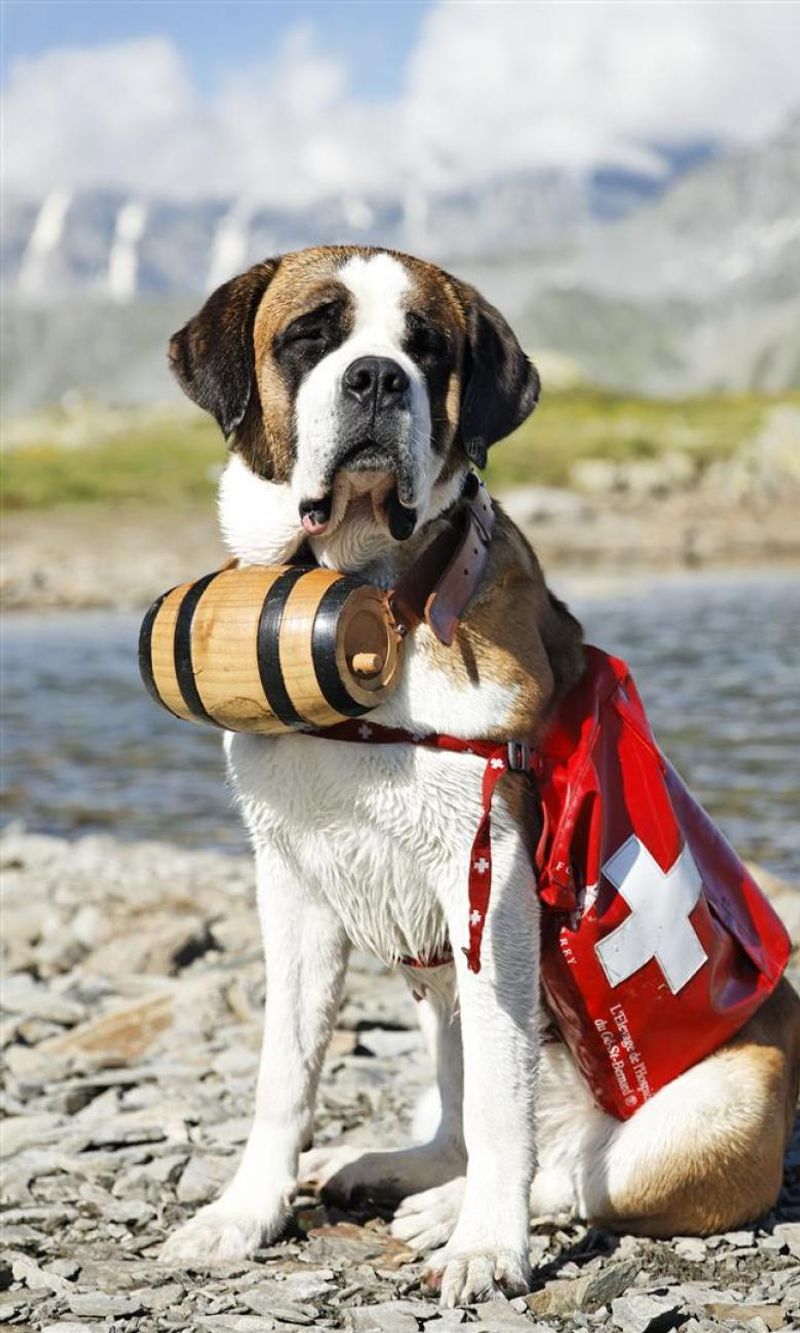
443,580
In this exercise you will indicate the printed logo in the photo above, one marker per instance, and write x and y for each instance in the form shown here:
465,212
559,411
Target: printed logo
658,926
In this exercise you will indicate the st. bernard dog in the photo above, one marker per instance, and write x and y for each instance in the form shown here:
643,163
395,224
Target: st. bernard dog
356,387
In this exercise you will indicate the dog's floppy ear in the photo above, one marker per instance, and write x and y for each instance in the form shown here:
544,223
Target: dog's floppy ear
212,357
500,385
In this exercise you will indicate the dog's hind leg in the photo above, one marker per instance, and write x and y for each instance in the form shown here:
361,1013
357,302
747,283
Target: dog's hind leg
344,1170
306,955
705,1154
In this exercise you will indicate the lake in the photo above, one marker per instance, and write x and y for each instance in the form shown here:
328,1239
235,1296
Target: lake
716,659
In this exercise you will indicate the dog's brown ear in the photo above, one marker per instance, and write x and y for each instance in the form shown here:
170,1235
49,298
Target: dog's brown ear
500,385
212,357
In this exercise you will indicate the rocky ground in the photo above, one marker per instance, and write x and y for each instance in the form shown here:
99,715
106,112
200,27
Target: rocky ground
132,1020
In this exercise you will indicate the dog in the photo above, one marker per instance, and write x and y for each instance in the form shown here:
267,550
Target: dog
357,386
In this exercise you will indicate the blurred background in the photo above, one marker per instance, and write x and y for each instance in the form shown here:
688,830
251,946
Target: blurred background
623,180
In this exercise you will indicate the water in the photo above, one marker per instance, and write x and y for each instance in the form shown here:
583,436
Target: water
716,659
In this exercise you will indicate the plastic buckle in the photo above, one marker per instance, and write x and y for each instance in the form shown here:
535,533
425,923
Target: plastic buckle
518,756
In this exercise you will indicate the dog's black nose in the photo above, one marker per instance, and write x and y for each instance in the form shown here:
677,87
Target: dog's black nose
375,380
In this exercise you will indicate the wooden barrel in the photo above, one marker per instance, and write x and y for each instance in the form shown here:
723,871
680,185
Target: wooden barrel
270,650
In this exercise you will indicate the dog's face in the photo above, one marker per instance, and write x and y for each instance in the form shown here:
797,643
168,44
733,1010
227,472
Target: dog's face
357,385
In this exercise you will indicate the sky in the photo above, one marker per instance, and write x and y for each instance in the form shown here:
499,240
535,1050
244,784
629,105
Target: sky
287,104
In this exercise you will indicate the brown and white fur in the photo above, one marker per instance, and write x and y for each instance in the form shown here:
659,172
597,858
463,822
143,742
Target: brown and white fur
366,846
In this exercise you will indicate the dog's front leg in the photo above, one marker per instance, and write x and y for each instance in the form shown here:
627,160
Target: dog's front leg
488,1250
306,955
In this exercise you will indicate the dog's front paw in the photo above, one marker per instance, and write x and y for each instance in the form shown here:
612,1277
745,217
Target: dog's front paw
426,1221
464,1277
219,1234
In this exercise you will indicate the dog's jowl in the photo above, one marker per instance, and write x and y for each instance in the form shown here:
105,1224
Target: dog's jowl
357,388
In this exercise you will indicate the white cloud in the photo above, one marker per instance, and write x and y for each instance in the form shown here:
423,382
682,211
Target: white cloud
491,87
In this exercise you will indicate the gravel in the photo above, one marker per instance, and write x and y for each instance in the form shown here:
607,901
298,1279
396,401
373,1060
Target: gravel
131,1024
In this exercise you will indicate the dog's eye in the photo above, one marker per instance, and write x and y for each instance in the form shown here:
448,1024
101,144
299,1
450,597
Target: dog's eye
296,336
311,330
425,342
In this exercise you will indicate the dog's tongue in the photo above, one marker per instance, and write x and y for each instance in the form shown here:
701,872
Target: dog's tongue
315,515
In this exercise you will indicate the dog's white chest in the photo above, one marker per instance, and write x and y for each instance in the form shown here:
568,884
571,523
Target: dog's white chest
373,830
380,832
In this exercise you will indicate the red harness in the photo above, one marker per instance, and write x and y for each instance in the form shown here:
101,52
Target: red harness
659,945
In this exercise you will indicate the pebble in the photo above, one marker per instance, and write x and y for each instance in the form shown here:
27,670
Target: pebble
203,1178
771,1316
584,1293
789,1233
387,1317
645,1314
500,1314
69,1326
691,1248
99,1305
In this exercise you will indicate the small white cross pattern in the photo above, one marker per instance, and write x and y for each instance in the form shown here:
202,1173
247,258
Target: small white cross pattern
475,917
481,865
364,731
661,903
497,763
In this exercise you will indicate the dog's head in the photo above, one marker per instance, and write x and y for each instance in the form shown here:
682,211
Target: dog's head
356,385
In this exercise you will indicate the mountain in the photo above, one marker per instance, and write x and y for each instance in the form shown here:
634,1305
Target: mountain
698,290
103,244
670,284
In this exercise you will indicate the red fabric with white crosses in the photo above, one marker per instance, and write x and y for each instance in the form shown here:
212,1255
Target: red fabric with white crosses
658,945
516,757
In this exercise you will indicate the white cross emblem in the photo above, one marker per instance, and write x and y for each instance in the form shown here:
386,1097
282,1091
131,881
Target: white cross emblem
498,763
475,918
658,926
364,731
481,866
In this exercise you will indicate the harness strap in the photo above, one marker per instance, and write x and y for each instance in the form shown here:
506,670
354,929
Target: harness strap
514,757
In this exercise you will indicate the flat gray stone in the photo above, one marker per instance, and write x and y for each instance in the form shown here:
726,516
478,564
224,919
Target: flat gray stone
691,1248
162,1299
13,1304
499,1314
205,1176
234,1323
585,1293
644,1313
789,1234
771,1316
299,1287
387,1317
288,1312
26,1270
21,995
29,1131
100,1305
69,1326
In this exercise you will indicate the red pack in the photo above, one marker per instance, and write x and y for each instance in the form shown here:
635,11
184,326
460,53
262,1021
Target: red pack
659,945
